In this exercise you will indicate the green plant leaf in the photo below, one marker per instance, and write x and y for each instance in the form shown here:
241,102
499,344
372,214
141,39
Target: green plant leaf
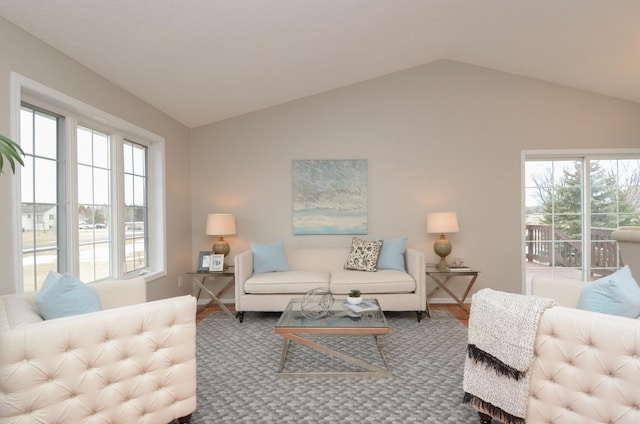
12,152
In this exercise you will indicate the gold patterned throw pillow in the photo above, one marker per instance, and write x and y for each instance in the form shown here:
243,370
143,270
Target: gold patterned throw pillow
364,255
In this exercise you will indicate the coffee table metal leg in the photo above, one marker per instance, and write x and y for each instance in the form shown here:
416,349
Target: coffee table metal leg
381,350
373,370
283,355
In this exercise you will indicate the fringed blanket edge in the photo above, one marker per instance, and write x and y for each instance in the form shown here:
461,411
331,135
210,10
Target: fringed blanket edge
489,409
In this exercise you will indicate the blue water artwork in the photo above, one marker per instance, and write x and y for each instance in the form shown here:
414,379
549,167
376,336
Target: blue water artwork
330,197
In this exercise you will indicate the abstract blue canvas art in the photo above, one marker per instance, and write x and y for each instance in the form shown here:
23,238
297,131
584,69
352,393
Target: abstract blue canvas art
330,197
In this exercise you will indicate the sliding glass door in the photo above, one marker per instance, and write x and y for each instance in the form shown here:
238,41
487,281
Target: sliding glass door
572,205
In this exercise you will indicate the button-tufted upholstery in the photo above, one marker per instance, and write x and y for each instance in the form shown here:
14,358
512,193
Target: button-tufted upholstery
125,364
586,368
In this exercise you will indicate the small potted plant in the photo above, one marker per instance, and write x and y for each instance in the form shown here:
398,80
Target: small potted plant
354,297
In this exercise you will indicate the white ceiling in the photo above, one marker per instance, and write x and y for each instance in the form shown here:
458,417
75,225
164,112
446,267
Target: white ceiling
201,61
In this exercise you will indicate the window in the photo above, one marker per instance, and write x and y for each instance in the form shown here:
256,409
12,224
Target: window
94,204
572,205
86,204
39,138
135,203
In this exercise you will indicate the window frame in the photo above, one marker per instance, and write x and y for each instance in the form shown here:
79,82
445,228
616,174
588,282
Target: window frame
61,227
584,155
123,205
77,113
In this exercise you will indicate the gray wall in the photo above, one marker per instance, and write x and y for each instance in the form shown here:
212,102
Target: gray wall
439,137
28,56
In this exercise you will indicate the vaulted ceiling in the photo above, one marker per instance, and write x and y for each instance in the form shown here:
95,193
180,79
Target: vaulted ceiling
202,61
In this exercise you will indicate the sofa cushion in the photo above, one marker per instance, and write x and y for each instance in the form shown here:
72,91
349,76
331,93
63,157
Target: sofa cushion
64,295
270,258
392,254
615,294
286,282
364,255
317,259
383,281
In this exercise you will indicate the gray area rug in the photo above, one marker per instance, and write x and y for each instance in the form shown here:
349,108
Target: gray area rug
238,383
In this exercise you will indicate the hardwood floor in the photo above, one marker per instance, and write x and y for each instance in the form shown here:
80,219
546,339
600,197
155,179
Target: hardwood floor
457,312
203,312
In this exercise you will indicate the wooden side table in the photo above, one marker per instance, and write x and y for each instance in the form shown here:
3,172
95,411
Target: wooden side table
199,278
441,278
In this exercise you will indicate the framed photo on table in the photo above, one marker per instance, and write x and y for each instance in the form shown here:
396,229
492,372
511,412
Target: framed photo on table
204,261
216,263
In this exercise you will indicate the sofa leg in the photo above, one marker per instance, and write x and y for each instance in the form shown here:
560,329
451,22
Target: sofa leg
240,316
419,313
184,420
484,418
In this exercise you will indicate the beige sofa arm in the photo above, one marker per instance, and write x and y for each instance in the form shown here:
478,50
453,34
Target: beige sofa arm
126,365
414,261
631,234
114,294
243,270
563,290
628,239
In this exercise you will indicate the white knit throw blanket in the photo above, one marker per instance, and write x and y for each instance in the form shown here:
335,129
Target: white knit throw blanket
502,331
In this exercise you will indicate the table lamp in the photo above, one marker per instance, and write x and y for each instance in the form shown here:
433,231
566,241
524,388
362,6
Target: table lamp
442,222
221,224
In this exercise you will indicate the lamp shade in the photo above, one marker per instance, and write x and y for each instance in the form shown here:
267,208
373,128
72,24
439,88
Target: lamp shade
442,222
221,224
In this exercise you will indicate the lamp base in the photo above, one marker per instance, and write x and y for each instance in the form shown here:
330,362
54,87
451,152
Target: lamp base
443,248
442,265
221,247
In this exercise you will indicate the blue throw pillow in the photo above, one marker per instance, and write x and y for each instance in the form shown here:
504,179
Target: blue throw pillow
615,294
392,254
270,258
64,295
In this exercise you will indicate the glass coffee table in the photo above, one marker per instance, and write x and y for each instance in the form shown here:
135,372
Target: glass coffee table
295,327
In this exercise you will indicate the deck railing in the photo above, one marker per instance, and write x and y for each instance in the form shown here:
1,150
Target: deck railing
605,258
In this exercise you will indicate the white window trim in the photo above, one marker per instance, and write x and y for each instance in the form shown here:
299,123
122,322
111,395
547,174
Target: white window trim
23,88
557,154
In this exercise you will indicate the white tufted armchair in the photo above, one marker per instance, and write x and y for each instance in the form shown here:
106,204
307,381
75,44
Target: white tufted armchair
132,362
586,368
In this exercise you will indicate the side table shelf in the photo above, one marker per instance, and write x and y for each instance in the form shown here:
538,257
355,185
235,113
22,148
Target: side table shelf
442,278
199,278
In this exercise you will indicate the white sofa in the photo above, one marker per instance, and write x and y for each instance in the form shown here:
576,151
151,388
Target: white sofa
132,362
586,368
311,268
